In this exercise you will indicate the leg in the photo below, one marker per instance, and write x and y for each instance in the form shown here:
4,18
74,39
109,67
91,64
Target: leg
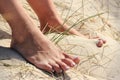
30,41
47,14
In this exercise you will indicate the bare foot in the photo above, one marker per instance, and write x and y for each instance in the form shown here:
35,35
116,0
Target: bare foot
56,24
30,42
43,53
50,20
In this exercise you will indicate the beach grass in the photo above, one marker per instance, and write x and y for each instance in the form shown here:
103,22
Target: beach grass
90,58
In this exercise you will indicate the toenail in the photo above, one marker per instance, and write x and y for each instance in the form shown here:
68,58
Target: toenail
61,71
104,41
75,57
67,67
73,64
53,71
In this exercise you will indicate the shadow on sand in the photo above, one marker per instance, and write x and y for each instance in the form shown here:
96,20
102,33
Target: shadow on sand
8,54
4,35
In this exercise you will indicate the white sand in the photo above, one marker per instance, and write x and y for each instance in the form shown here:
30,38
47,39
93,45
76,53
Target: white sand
96,63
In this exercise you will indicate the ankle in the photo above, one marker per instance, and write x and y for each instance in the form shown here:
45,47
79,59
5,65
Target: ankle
18,38
53,21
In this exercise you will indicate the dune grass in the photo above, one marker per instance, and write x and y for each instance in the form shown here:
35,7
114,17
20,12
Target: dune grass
58,37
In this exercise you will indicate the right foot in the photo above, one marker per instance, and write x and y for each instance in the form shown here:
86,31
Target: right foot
30,42
44,54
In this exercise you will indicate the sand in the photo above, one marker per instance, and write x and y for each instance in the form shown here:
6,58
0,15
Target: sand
96,63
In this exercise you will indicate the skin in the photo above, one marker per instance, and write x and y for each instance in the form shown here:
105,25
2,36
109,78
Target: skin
49,19
29,41
48,15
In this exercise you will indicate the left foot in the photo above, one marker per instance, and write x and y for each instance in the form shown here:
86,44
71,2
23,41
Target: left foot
50,20
56,24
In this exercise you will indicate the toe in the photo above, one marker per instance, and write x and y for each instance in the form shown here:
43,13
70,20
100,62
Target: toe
100,43
104,41
63,66
46,67
74,58
69,62
56,67
77,60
